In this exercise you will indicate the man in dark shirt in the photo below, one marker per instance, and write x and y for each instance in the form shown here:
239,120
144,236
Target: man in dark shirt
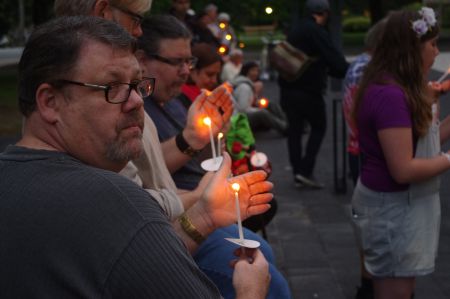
302,99
69,226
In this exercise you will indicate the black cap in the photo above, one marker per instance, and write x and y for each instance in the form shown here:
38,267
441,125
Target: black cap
317,6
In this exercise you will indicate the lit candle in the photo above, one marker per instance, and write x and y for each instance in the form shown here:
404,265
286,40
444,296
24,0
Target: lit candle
207,121
443,76
236,187
263,103
219,151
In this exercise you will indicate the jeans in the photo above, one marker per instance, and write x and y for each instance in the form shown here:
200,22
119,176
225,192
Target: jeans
214,255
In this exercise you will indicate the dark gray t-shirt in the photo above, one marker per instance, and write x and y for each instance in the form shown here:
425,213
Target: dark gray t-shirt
68,230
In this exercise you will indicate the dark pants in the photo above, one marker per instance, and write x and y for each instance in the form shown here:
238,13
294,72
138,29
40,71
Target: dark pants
303,107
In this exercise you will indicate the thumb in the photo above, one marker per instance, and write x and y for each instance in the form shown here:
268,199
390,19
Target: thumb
225,169
201,98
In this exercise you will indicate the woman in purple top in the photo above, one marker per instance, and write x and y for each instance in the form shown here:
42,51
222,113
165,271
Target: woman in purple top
395,204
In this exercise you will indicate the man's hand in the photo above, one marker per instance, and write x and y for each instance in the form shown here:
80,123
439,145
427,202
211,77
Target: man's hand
251,276
217,205
216,105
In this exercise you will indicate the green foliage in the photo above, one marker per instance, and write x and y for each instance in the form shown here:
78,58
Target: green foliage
356,24
413,6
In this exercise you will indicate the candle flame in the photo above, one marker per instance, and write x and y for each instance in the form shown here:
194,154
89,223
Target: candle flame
263,103
222,50
220,135
228,37
235,187
222,25
207,121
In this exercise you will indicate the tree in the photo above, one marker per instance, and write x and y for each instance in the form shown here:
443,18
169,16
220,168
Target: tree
376,10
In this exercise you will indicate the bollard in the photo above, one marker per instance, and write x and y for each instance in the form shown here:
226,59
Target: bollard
339,165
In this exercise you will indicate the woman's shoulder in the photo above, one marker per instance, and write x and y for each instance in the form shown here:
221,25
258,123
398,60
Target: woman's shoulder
387,91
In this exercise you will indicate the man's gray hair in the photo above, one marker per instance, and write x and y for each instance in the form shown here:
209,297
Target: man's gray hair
161,27
86,7
53,50
74,7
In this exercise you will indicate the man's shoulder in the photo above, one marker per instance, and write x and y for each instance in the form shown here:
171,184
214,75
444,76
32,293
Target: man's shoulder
71,184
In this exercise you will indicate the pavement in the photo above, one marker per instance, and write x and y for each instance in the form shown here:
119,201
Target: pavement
312,235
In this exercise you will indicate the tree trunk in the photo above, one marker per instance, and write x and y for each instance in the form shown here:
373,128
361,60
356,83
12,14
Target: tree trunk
21,27
376,10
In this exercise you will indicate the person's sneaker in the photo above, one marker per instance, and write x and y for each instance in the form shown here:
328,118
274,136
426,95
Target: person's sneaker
308,182
298,184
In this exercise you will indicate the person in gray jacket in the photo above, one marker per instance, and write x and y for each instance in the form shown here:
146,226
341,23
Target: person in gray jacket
265,116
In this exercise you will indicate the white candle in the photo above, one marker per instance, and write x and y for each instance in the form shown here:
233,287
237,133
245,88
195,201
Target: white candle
207,121
219,147
443,76
236,188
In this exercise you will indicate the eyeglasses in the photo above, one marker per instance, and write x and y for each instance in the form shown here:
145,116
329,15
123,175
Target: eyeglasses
190,62
137,19
116,93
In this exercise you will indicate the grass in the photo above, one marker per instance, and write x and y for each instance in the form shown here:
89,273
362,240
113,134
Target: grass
11,119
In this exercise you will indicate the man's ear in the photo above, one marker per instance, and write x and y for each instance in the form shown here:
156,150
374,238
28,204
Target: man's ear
102,9
48,102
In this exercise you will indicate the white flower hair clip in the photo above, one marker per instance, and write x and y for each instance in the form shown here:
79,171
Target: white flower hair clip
427,20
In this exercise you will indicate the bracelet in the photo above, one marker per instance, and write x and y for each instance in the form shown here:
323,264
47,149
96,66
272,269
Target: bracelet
190,229
184,147
447,155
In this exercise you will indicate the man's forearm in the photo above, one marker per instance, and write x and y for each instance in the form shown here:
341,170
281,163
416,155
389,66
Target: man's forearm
173,157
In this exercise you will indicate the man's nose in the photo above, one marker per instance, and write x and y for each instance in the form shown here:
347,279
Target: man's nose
135,101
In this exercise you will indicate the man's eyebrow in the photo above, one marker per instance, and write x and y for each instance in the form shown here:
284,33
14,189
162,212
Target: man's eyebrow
117,76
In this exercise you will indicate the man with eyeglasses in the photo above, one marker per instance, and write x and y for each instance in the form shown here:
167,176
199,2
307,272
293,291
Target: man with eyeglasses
165,36
115,10
75,228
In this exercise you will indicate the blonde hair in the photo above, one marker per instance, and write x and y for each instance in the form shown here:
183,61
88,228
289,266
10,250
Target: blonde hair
138,6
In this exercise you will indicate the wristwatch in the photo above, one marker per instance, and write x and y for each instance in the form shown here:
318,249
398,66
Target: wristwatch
184,147
190,229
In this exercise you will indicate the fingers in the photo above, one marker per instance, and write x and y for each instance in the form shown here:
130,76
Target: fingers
256,210
253,176
248,254
260,187
259,199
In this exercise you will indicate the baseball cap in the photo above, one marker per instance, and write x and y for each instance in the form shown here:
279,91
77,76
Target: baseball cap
317,6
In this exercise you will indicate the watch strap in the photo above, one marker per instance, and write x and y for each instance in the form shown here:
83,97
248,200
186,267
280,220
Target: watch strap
190,229
184,147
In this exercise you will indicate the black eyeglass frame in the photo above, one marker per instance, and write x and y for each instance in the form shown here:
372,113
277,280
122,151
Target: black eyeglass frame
106,88
191,61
